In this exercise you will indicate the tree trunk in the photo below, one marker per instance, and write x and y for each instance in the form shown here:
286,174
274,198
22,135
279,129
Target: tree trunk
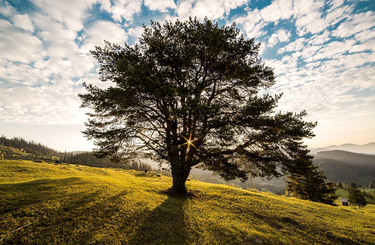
179,178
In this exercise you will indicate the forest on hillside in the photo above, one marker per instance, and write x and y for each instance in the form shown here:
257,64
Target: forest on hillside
19,148
29,147
338,171
343,166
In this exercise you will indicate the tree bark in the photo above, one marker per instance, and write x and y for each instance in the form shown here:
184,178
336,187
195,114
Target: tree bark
179,177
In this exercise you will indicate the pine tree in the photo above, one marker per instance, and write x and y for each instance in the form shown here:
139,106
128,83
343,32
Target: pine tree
355,196
306,182
372,183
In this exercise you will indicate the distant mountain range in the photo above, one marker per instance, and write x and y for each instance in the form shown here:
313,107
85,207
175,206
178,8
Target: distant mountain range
346,166
365,149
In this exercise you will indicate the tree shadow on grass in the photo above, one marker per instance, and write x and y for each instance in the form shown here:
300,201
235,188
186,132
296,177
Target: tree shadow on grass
53,211
291,226
18,195
165,224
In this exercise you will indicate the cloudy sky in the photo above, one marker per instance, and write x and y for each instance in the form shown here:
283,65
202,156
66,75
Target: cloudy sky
322,51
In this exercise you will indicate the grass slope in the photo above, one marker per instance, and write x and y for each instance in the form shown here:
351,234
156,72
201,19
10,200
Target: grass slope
66,204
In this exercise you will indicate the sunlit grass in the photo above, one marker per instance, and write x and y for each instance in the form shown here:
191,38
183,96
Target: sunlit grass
69,204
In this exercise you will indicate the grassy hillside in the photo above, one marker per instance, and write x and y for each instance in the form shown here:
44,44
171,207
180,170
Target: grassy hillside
13,153
10,153
67,204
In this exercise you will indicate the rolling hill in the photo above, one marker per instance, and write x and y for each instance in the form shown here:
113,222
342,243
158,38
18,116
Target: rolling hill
73,204
348,157
343,166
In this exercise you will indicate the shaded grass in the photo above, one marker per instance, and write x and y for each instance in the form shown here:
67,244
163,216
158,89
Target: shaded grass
85,205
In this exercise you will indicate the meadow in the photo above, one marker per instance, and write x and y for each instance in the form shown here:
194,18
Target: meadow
44,203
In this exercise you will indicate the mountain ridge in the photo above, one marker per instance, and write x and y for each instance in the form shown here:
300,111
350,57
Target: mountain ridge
368,148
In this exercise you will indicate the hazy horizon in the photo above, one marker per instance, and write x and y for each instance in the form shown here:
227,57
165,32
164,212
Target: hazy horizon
53,136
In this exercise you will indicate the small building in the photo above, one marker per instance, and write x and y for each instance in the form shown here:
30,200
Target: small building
344,201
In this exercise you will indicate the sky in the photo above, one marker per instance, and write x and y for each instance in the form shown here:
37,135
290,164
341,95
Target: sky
322,52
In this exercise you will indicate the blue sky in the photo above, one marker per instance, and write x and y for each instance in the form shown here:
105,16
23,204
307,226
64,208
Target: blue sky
322,53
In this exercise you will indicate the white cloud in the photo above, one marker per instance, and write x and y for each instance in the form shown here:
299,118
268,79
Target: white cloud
280,36
355,24
122,8
161,5
365,35
277,10
309,51
331,50
249,22
103,30
367,46
324,87
212,9
69,13
51,30
26,74
58,40
335,3
17,45
338,14
6,9
184,9
319,39
23,21
308,16
42,105
298,44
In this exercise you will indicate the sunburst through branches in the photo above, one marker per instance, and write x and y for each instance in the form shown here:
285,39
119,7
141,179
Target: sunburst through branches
189,142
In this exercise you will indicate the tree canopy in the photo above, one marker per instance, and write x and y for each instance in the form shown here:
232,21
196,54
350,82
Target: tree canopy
192,94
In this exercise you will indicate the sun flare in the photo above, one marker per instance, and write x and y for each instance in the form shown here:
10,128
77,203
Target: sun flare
189,142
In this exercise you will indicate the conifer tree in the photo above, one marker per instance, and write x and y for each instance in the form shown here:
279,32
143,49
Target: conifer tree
306,182
355,196
372,183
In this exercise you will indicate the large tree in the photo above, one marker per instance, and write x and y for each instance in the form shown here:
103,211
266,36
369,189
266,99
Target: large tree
192,94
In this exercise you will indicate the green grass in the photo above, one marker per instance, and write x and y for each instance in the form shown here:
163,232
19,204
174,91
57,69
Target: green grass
345,193
69,204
